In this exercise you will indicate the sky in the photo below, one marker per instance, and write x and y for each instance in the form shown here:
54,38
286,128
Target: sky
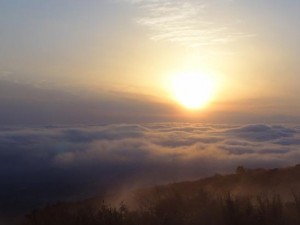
115,60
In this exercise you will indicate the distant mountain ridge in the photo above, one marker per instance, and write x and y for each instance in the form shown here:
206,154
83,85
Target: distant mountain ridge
245,182
283,181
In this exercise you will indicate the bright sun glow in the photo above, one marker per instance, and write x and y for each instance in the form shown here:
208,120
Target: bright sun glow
192,90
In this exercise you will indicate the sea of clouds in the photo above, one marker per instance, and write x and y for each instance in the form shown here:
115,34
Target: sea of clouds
51,163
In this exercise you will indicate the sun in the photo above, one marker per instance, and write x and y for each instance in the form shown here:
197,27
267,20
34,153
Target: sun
193,90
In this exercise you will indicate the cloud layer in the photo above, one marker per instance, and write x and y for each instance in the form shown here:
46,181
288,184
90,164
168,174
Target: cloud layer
51,163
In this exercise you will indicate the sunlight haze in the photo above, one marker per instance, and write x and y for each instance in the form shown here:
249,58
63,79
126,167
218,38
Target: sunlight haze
125,50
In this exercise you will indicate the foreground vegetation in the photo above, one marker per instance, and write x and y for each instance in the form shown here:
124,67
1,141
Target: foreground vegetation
249,197
175,209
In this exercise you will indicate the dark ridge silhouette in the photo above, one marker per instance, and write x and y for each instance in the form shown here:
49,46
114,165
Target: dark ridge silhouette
248,197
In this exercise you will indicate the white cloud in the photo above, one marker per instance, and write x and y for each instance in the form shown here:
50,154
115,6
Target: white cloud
59,162
190,23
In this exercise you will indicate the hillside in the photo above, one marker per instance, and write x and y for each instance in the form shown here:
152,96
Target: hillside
246,182
247,197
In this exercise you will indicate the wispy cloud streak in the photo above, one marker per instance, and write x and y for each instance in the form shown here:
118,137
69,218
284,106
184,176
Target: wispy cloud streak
189,23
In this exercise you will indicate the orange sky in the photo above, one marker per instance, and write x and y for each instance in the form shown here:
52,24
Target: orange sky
104,50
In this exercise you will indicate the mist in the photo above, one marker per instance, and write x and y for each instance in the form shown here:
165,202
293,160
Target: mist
45,164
